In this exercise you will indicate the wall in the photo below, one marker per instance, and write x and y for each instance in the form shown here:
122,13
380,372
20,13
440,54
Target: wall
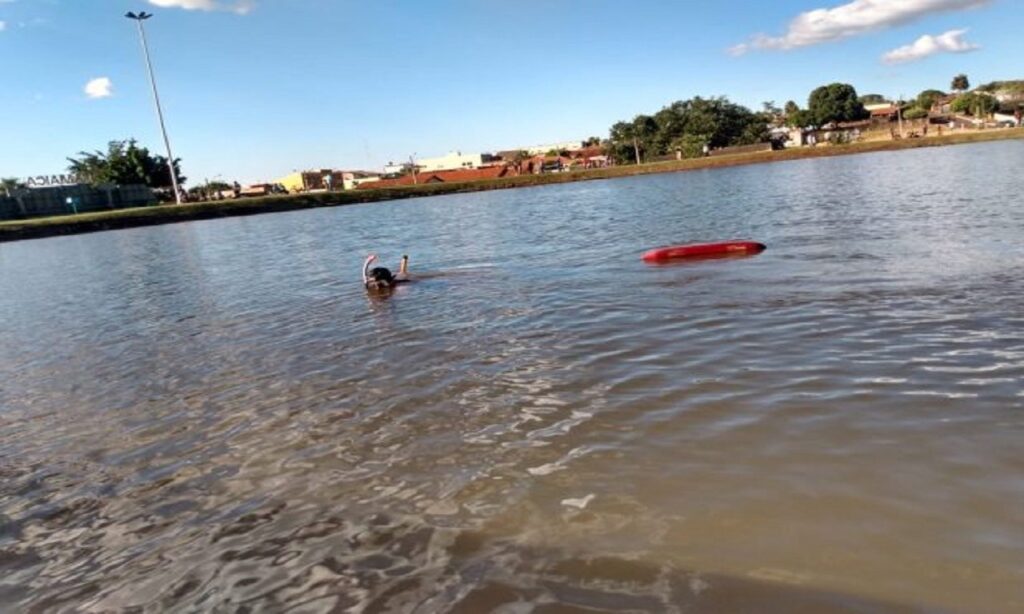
39,202
292,182
741,149
452,161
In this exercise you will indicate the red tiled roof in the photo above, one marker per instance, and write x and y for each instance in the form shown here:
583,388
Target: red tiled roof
471,174
386,183
453,176
881,112
587,152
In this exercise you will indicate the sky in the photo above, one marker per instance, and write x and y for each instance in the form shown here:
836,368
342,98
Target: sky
254,89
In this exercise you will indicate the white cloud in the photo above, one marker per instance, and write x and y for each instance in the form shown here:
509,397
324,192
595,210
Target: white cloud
100,87
238,6
852,19
948,42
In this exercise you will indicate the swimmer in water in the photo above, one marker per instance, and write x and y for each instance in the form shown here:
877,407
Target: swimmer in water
381,278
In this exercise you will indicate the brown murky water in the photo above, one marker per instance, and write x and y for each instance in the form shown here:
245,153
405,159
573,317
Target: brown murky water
214,416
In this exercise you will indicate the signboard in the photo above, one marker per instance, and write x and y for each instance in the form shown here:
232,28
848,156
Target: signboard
50,181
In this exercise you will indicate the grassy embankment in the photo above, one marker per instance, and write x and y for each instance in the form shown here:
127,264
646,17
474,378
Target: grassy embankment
162,214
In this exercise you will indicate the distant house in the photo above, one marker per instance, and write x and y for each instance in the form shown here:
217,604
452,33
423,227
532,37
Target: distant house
311,180
538,164
1005,119
511,155
1010,97
878,106
535,159
942,106
453,161
323,180
569,146
449,176
589,157
353,179
882,116
393,170
1008,93
257,189
839,132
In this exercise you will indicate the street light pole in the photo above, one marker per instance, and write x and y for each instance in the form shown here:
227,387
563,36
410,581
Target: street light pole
139,18
899,114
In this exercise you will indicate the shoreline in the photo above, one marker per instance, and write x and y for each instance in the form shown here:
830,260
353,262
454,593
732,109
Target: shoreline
35,228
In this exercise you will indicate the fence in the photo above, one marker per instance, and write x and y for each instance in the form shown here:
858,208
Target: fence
62,200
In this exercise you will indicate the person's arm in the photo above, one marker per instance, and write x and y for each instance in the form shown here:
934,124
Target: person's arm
366,268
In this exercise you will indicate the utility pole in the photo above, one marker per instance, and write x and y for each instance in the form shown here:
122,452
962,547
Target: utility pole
412,167
139,18
636,150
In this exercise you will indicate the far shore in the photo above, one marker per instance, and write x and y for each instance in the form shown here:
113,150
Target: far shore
164,214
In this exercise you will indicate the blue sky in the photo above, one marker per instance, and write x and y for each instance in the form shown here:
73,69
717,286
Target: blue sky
253,89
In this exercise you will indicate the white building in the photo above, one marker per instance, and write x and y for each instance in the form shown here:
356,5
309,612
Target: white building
536,150
392,169
352,180
452,161
878,106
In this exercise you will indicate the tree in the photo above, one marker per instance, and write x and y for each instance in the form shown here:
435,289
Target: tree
125,163
715,122
11,184
593,141
791,108
975,104
872,99
720,122
644,131
517,161
801,118
771,113
926,99
634,137
689,145
836,102
620,142
915,113
207,190
1008,87
960,83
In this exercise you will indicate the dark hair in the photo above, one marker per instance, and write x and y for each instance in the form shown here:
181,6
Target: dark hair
381,276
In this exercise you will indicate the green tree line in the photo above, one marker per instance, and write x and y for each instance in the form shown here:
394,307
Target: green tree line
686,126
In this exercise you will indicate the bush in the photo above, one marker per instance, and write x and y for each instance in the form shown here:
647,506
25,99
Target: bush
838,138
915,113
973,103
691,145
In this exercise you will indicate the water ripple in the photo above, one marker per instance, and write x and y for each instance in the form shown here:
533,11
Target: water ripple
214,416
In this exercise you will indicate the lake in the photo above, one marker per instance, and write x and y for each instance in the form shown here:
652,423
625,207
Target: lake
216,416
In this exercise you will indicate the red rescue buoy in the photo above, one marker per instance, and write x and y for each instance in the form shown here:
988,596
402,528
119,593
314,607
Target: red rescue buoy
703,250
